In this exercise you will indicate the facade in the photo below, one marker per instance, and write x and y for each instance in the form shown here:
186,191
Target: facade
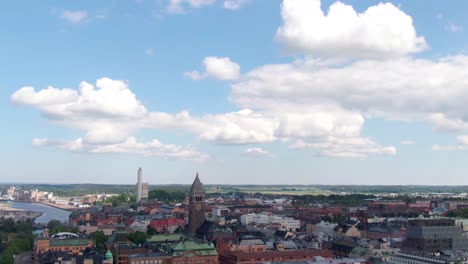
286,222
73,245
412,259
238,257
167,225
435,234
141,188
144,190
149,258
221,211
197,206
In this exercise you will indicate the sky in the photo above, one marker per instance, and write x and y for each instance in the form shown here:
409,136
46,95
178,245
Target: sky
240,91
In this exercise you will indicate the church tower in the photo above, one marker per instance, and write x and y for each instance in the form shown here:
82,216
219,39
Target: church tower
196,206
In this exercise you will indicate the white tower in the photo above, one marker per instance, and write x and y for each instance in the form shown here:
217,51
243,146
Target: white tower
139,185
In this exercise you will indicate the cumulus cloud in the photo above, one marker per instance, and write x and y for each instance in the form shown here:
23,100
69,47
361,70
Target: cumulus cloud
257,152
401,89
74,16
234,4
407,142
382,30
218,68
109,113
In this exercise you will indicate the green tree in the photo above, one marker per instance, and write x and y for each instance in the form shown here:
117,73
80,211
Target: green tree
151,231
100,239
138,237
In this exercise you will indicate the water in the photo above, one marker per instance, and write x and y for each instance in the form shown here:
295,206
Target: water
48,212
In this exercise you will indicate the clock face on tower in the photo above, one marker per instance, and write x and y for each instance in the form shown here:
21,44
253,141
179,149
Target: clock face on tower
198,207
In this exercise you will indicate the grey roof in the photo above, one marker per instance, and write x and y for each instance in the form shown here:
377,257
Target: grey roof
251,242
197,186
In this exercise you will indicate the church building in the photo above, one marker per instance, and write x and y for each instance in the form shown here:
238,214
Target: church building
196,206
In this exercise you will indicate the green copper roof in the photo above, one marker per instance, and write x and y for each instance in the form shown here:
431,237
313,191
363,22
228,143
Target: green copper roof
163,238
69,242
108,255
201,249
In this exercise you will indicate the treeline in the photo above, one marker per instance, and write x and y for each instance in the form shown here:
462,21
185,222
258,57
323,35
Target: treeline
55,226
16,237
350,199
167,196
118,200
459,213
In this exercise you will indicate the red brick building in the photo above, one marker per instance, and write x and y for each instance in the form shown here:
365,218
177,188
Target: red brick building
169,225
238,257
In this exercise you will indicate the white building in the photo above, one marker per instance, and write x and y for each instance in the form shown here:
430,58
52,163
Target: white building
247,219
287,222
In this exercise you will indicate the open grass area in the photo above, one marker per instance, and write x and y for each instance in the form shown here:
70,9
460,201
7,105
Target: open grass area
280,190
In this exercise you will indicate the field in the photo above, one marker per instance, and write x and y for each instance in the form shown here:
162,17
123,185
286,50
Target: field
280,190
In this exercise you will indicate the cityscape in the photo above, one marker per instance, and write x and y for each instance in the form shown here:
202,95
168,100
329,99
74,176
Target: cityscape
234,132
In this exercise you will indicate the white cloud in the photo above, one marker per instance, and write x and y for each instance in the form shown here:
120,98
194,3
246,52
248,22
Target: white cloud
401,89
461,146
345,147
130,145
76,145
194,75
149,51
75,17
257,152
152,148
179,6
407,142
381,31
221,68
109,113
234,4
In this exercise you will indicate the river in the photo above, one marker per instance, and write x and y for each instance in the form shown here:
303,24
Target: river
48,212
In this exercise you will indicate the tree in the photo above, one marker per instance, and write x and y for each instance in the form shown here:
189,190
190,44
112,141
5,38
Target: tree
100,239
55,226
151,231
138,237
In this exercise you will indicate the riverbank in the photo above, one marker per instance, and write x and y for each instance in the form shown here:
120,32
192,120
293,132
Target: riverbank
58,206
49,211
19,214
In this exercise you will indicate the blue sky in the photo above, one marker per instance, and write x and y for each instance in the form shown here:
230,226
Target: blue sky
242,91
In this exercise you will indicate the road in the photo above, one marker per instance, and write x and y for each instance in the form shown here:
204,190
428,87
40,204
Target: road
24,258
